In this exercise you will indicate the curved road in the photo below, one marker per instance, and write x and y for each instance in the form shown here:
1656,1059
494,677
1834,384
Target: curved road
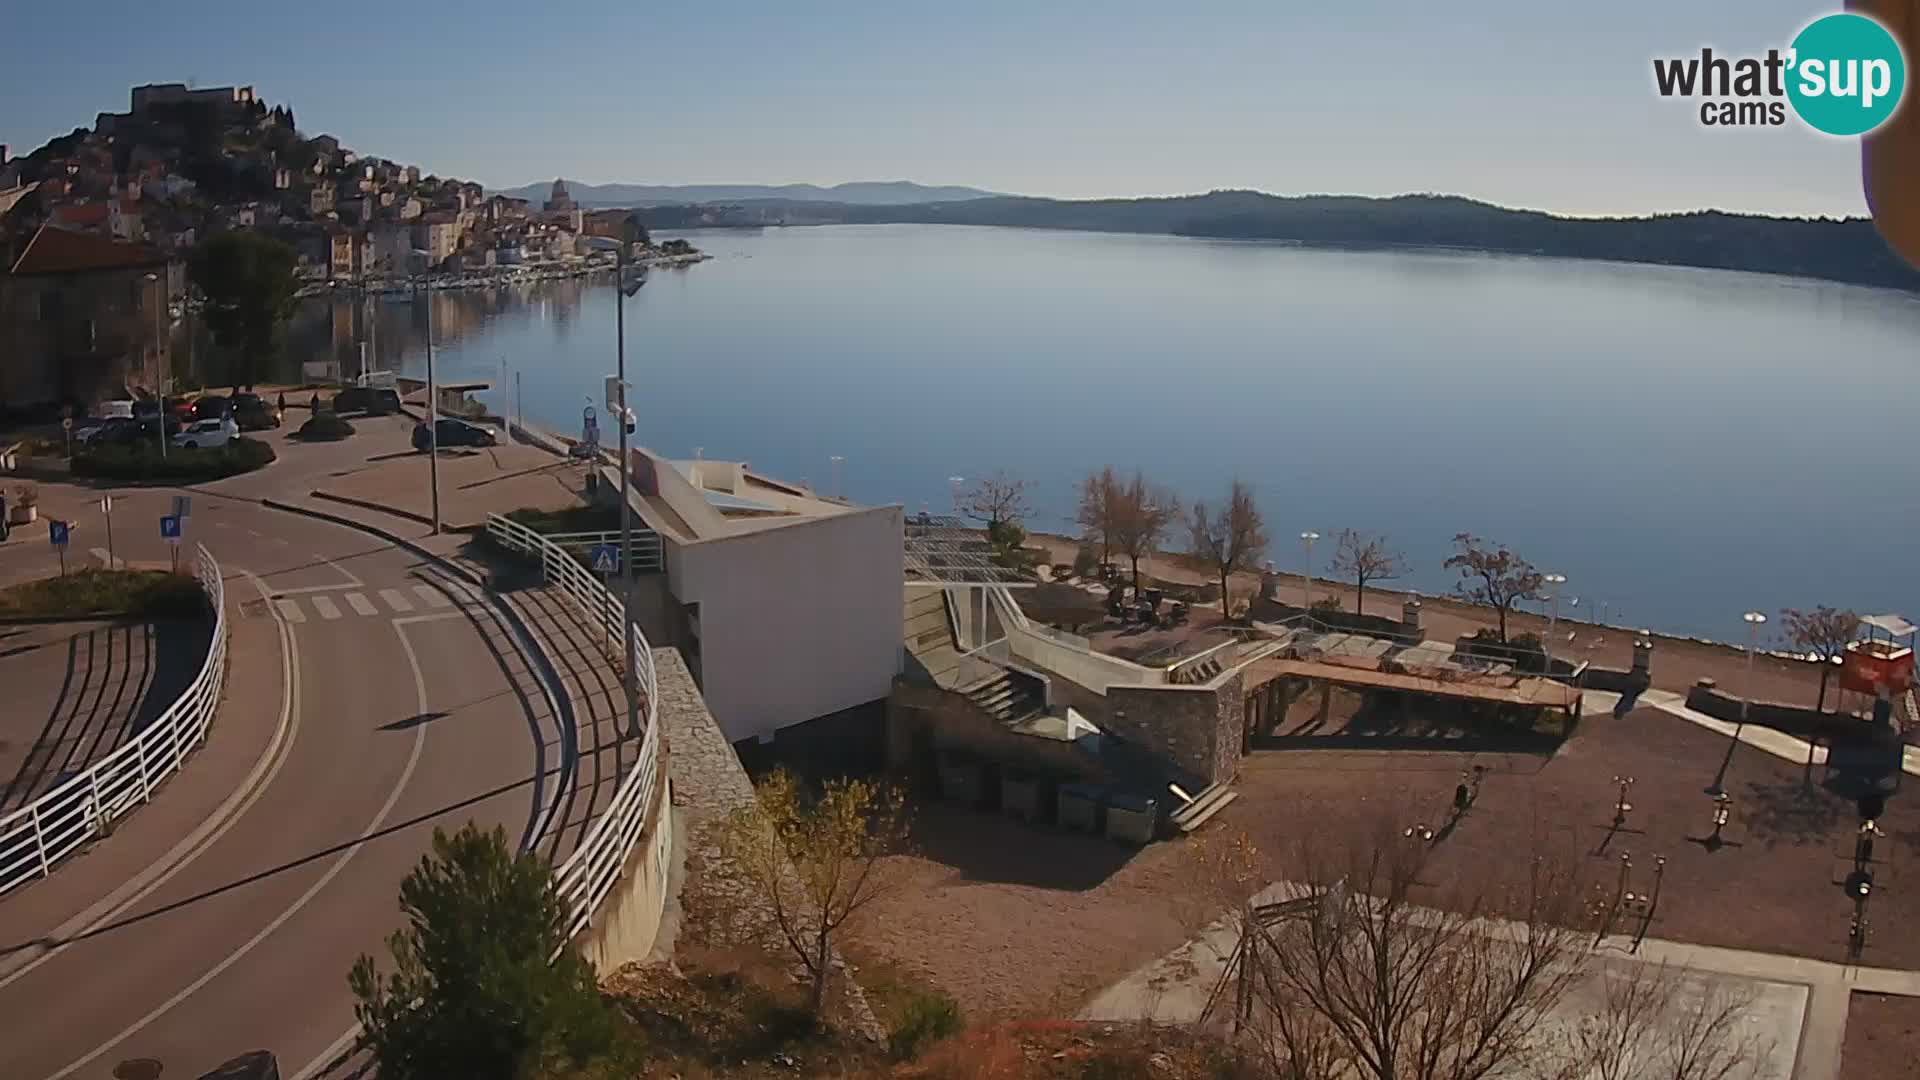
408,706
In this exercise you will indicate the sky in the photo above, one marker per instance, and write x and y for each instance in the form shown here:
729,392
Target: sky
1539,105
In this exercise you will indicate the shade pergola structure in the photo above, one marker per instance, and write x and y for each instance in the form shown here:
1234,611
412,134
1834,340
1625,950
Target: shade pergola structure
942,552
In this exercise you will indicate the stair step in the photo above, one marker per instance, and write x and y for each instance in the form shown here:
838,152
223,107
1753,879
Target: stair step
1192,823
1203,802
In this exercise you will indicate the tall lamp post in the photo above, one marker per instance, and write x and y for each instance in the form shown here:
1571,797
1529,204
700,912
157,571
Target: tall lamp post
1306,580
620,296
433,420
1753,619
162,378
1553,582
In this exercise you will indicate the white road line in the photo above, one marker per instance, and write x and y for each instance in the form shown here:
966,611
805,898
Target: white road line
343,571
361,605
433,597
395,600
324,605
290,610
215,826
305,589
379,819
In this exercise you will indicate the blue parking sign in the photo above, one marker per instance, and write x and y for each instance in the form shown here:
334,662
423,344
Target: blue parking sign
57,533
170,528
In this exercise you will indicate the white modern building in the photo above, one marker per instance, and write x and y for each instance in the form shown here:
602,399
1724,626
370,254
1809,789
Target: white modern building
786,604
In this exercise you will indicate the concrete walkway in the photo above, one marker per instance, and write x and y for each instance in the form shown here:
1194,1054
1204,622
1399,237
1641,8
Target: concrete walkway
1778,743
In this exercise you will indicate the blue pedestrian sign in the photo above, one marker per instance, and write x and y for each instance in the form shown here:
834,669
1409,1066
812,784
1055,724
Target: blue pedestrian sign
170,528
57,533
605,558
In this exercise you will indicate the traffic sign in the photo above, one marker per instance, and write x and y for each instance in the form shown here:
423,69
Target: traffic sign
182,506
170,528
106,504
66,423
605,558
57,533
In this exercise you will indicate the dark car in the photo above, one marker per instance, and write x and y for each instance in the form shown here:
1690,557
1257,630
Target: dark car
254,413
212,407
180,408
366,399
116,431
453,433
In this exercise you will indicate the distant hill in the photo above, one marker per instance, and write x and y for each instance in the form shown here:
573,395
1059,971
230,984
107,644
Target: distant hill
859,193
1847,250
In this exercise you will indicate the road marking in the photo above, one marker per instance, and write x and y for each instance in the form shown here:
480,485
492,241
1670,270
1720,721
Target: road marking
434,597
361,605
343,571
291,610
324,605
225,817
395,600
379,819
107,560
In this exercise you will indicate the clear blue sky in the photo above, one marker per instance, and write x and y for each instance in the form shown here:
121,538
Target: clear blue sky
1533,104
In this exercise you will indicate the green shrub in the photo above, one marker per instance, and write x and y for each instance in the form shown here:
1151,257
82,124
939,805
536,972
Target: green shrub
1085,561
324,426
149,593
925,1018
142,463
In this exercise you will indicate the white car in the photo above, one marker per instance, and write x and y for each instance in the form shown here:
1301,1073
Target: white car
207,434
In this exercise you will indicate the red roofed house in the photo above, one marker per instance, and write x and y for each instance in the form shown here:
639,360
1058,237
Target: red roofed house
83,317
118,218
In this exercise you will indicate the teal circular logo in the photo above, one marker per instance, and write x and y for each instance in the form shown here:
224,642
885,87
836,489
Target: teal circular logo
1847,74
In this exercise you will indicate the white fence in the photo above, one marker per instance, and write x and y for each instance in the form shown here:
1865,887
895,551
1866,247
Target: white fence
40,834
591,871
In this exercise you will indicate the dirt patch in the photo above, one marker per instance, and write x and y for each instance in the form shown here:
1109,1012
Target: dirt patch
1883,1033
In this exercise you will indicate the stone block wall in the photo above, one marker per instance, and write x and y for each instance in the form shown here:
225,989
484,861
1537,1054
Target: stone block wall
1197,728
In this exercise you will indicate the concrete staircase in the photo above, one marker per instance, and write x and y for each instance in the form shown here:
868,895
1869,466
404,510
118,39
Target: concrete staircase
1204,806
929,636
1008,697
1202,672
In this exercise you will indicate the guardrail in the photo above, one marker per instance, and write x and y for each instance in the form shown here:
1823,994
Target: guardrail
591,870
40,834
647,551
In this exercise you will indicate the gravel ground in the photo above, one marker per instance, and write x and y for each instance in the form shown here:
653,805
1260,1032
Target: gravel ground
1883,1038
1016,920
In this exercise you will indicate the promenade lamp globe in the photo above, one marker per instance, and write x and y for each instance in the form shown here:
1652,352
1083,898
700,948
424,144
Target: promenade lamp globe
1553,583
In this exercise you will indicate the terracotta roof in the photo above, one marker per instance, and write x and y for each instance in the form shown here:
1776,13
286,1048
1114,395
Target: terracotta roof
58,251
81,213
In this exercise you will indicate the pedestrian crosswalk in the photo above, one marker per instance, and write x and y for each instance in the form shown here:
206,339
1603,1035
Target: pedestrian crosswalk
348,604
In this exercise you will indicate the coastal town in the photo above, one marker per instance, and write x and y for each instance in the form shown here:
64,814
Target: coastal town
117,210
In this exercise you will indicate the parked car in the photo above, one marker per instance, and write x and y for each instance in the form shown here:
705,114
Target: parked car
452,432
121,409
366,399
113,431
212,407
254,413
207,434
180,408
146,409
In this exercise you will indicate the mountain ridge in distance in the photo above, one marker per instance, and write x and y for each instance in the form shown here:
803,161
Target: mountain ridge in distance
853,193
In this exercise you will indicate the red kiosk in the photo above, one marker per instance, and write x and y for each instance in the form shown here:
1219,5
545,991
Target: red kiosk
1880,663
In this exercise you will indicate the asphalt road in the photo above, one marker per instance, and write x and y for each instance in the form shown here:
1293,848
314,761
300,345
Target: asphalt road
409,708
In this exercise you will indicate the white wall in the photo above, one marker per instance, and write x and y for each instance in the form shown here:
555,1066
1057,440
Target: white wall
797,621
1095,671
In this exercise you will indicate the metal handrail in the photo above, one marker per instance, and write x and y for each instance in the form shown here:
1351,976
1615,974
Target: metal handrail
51,827
590,872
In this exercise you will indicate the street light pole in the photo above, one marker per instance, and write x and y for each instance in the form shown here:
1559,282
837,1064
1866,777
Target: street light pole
626,495
433,420
160,379
1753,619
1306,580
1554,581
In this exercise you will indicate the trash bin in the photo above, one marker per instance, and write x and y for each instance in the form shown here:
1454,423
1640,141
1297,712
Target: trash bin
1131,818
1079,806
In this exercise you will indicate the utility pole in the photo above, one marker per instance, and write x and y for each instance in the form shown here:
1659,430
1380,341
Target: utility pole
433,421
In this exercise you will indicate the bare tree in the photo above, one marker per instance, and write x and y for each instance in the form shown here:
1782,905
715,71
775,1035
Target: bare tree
1494,576
1654,1022
1100,495
998,499
1823,632
1141,517
1229,538
1365,557
1353,978
815,863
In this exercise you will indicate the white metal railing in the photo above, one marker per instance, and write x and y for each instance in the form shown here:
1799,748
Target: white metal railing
46,830
592,869
647,551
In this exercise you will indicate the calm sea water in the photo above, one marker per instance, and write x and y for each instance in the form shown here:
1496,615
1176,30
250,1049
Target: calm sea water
1683,444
